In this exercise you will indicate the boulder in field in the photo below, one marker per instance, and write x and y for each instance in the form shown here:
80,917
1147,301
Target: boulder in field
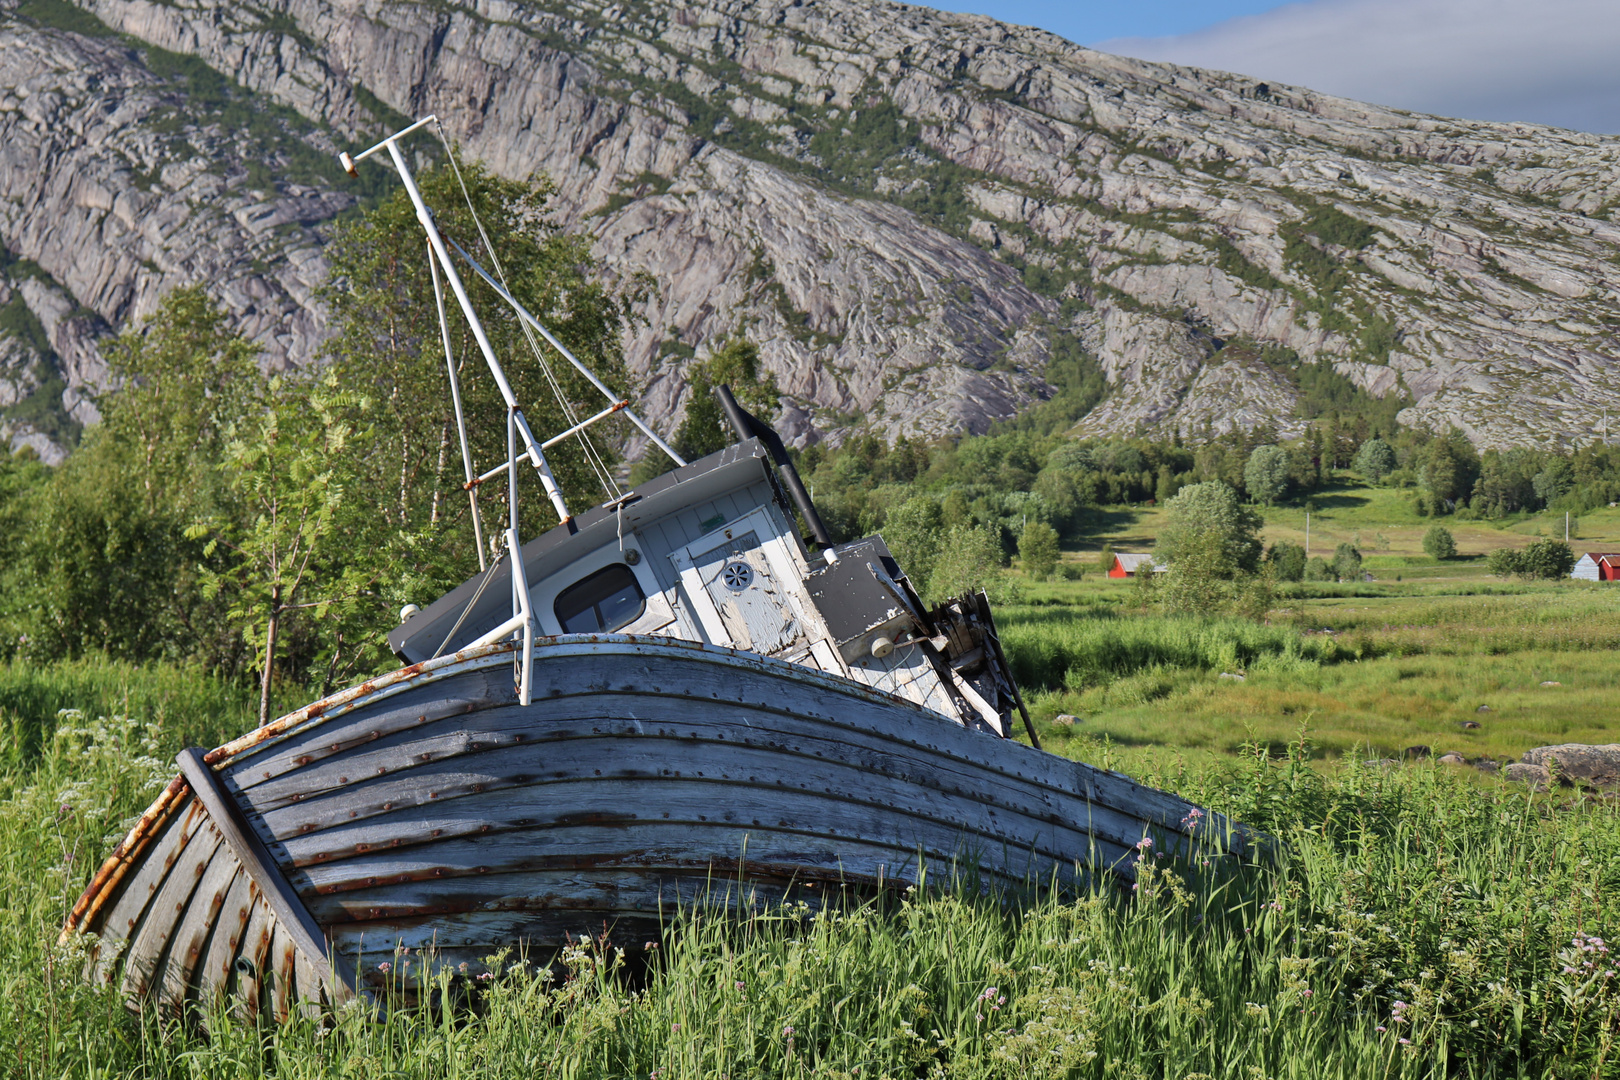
1580,763
1534,775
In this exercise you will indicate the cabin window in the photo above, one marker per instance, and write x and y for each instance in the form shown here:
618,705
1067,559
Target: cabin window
607,600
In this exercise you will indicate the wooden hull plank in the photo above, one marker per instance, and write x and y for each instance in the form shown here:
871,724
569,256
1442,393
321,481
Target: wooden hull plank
426,810
121,923
744,786
218,967
195,929
151,949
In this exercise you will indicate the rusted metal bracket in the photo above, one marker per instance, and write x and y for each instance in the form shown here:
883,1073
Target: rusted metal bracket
261,869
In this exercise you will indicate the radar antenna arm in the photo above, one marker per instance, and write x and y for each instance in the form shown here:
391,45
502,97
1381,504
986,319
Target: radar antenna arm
749,426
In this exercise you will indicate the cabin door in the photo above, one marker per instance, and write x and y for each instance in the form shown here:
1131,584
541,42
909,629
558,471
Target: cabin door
739,598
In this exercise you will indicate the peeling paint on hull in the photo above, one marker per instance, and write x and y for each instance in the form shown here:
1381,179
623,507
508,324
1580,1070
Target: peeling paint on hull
427,807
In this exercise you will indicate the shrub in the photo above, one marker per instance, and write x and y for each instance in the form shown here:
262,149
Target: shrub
1544,559
1318,570
1346,562
1548,559
1505,562
1438,543
1038,550
1287,561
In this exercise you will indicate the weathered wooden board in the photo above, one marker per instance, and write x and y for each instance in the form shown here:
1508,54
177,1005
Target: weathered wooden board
649,775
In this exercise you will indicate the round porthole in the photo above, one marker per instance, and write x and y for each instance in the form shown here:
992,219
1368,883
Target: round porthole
737,575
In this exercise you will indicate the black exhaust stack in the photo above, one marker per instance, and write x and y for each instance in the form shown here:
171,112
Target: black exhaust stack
749,426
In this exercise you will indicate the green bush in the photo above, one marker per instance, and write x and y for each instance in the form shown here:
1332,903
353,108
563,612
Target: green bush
1438,543
1317,569
1287,561
1347,563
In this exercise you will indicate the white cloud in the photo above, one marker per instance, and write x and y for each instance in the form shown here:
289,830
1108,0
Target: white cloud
1550,61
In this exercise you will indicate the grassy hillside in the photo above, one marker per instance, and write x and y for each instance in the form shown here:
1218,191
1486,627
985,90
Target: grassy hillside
1436,654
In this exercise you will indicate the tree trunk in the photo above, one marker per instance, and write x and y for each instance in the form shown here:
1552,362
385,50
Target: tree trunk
269,654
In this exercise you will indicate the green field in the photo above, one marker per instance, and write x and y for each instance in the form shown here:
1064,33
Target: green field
1418,920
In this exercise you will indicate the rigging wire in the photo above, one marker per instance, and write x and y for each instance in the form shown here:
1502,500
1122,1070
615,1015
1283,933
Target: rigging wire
604,475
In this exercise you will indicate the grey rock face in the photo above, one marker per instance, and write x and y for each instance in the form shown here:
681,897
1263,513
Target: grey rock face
1593,766
1535,775
115,198
903,206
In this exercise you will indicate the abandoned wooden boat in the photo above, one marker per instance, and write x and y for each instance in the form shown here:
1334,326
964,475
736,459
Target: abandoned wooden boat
669,699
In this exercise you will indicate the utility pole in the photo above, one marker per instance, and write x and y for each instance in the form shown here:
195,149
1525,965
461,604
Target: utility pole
1307,534
1566,526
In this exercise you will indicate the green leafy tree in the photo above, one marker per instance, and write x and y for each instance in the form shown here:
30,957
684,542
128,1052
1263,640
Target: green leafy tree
1318,569
1438,543
1038,550
1548,559
969,559
1287,561
1346,562
1211,508
1450,468
1554,481
1199,581
704,427
387,346
1375,460
914,532
1105,559
291,461
1265,476
109,565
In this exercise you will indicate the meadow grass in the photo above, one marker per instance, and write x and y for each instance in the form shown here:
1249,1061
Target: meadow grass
1399,924
1415,921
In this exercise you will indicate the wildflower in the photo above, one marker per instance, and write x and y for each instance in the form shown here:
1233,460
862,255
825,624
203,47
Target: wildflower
674,1027
979,1017
787,1030
740,985
487,975
1380,1029
462,967
1406,1042
1144,843
1307,991
385,967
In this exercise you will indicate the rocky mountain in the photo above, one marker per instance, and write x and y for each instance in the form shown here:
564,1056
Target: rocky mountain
912,211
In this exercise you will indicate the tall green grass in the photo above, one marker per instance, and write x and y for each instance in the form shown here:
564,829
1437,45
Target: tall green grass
1405,925
1074,647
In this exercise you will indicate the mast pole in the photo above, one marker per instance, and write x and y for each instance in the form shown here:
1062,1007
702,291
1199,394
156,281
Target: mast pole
435,240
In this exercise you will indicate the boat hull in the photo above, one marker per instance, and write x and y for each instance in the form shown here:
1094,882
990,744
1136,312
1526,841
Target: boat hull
429,810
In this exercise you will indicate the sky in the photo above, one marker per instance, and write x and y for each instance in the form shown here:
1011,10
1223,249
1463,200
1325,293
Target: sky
1544,61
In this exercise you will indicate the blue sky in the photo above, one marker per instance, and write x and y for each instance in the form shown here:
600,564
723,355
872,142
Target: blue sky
1089,23
1543,61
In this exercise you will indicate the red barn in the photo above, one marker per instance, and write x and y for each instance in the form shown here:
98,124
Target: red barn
1127,565
1597,566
